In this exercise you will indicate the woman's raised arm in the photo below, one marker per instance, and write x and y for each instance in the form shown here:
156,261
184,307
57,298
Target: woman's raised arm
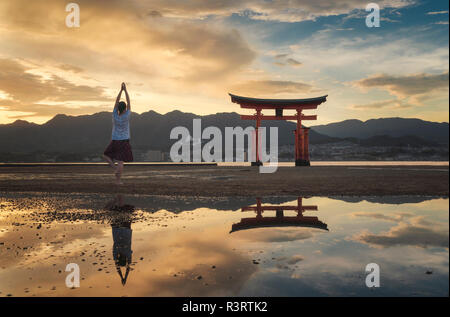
128,98
118,97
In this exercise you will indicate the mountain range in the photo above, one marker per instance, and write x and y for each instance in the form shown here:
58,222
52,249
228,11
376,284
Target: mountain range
88,134
393,127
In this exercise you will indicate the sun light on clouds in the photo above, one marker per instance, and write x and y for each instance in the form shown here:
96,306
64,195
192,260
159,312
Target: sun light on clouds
188,55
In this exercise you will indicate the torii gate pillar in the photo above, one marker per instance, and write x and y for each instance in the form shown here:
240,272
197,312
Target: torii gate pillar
301,133
302,147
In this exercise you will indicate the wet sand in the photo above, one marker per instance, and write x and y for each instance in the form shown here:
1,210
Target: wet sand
215,181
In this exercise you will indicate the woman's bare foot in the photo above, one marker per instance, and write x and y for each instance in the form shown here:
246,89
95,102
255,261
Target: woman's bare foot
110,162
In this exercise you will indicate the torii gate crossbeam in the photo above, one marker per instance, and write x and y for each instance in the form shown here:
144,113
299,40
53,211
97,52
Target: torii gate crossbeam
301,133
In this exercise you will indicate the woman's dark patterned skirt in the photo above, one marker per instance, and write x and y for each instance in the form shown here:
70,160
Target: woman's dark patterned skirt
119,150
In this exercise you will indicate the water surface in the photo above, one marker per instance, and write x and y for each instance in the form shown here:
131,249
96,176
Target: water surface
136,245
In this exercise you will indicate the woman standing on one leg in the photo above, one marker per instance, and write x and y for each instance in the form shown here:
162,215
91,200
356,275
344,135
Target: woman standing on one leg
119,149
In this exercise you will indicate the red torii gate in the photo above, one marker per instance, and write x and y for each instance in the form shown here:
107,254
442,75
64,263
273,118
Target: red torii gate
301,134
280,220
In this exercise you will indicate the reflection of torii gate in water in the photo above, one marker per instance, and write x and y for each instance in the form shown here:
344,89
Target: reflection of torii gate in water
279,220
301,134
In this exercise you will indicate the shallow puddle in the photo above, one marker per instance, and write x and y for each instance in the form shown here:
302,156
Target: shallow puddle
127,245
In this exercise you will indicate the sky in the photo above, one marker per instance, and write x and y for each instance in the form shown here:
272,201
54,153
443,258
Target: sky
188,55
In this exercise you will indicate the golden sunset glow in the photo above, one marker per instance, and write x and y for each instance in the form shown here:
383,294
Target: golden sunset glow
188,55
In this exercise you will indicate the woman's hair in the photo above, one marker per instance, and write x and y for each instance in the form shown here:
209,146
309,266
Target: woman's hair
121,107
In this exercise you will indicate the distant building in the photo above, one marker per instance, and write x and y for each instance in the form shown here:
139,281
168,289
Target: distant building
153,156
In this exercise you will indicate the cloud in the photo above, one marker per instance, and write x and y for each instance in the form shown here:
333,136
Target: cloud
334,57
154,14
293,62
187,54
284,59
419,232
48,110
291,260
70,68
281,56
277,10
375,215
18,82
195,251
31,93
213,54
386,19
276,235
270,87
172,49
390,104
157,269
437,12
408,85
115,42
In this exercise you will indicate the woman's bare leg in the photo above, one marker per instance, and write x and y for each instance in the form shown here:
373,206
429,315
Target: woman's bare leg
109,160
119,172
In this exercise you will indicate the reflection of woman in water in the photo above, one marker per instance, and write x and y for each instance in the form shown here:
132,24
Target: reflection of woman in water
119,149
121,232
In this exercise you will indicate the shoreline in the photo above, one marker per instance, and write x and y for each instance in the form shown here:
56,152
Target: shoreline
220,181
233,164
